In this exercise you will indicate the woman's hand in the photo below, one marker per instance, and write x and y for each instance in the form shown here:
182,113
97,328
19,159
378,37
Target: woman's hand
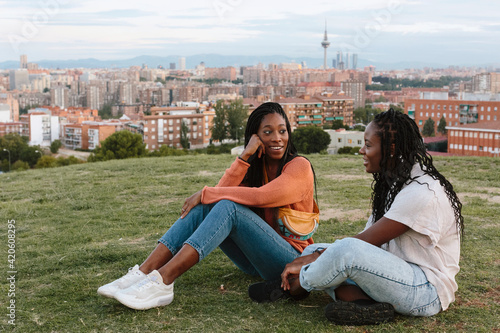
294,267
255,145
190,202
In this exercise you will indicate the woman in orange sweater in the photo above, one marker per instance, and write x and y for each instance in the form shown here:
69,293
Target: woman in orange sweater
238,215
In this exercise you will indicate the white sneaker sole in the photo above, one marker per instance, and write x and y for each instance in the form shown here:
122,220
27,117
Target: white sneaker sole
144,305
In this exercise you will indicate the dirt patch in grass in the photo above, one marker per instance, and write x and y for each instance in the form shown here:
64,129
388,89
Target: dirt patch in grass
165,201
343,215
346,177
206,173
493,294
488,197
493,190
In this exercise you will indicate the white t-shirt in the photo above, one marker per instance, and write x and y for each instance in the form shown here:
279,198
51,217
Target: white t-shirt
433,241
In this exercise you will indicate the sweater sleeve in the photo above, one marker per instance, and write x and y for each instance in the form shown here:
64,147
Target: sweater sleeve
292,186
234,174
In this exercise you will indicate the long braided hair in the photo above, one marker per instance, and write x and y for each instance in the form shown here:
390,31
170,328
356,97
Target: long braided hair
255,173
401,147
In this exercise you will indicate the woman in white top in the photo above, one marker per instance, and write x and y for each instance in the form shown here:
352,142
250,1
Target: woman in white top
406,258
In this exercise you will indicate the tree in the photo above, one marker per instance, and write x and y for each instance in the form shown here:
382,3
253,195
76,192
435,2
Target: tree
219,123
54,146
442,126
184,135
428,129
365,115
31,154
236,116
338,124
119,145
310,139
15,144
229,120
105,112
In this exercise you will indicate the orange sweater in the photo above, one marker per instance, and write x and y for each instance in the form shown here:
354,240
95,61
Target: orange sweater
294,188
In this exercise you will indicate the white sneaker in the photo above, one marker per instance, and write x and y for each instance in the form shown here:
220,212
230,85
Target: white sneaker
148,293
133,276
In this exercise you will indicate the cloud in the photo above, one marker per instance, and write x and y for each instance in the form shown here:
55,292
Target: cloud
431,28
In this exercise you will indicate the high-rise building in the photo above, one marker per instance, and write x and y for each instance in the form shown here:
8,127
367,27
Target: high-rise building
340,61
325,44
182,63
334,63
18,78
354,60
59,96
347,60
481,82
24,61
172,65
356,90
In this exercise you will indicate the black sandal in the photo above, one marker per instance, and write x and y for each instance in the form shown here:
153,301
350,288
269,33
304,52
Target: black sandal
271,291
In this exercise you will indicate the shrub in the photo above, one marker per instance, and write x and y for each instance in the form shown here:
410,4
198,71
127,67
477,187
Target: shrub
54,146
46,162
310,139
20,165
355,150
119,145
344,150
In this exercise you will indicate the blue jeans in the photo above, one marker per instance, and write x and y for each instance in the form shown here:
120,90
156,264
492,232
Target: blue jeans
380,274
252,244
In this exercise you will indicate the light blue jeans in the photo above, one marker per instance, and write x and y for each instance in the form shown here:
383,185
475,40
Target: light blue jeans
251,243
380,274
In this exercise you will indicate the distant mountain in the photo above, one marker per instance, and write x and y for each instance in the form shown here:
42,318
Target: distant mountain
212,60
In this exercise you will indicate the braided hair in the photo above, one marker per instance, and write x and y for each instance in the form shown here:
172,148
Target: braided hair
255,174
401,147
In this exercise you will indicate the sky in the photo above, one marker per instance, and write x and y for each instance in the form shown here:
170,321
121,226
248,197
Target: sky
452,32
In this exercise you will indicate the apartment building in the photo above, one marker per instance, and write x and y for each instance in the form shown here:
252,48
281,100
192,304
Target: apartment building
222,73
338,107
478,139
455,112
318,110
163,127
87,135
11,128
40,126
356,90
302,112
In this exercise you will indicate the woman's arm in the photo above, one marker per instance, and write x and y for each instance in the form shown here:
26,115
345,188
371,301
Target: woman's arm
236,173
382,231
295,182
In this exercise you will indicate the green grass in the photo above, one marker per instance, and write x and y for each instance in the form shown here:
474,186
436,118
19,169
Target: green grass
81,226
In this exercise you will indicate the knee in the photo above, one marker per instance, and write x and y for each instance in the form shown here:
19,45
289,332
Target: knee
347,249
227,205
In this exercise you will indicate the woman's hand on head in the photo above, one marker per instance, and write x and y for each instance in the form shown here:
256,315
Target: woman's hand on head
190,202
255,145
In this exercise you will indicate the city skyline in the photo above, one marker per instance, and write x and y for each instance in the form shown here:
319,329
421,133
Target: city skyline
446,32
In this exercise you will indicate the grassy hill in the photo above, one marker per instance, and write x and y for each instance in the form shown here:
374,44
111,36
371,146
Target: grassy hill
82,226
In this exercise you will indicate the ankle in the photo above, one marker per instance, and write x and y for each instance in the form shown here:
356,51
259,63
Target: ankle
295,287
